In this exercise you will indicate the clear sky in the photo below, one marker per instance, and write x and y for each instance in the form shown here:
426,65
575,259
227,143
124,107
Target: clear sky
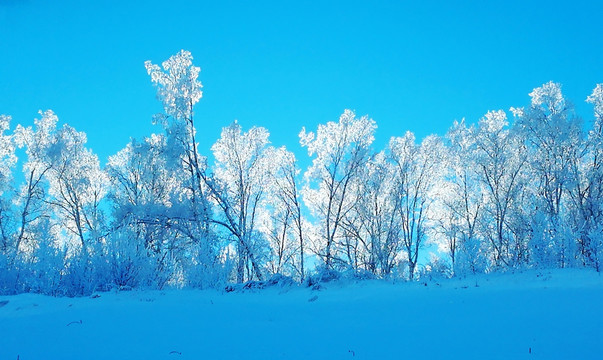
283,65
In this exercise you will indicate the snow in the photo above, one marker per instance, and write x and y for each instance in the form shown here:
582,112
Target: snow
555,314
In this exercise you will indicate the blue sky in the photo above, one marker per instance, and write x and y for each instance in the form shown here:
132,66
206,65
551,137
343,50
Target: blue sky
283,65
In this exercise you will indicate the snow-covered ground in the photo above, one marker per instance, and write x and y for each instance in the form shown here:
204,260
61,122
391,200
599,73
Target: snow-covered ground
533,315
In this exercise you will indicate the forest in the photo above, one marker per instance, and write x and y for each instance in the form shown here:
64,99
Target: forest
520,189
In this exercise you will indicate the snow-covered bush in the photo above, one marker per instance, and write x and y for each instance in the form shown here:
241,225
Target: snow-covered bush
436,268
472,258
322,275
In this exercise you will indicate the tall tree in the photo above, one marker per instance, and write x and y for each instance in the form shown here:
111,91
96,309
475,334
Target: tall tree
148,217
460,205
8,160
179,89
341,150
32,208
586,191
76,187
374,224
501,160
238,189
552,136
287,225
418,173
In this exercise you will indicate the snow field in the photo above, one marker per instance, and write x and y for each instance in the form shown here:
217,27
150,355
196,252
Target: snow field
554,314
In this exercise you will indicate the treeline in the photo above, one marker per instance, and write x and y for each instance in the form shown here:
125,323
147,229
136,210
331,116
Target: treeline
493,196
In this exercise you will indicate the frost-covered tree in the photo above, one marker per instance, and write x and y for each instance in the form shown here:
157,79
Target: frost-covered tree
9,263
285,223
237,187
501,160
460,203
179,89
7,163
341,150
586,191
31,207
553,136
147,219
374,223
76,187
59,205
142,187
418,174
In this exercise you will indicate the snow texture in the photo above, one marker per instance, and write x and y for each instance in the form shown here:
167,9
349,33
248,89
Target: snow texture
532,315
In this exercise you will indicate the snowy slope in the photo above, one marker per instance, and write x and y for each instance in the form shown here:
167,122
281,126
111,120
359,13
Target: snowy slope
534,315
